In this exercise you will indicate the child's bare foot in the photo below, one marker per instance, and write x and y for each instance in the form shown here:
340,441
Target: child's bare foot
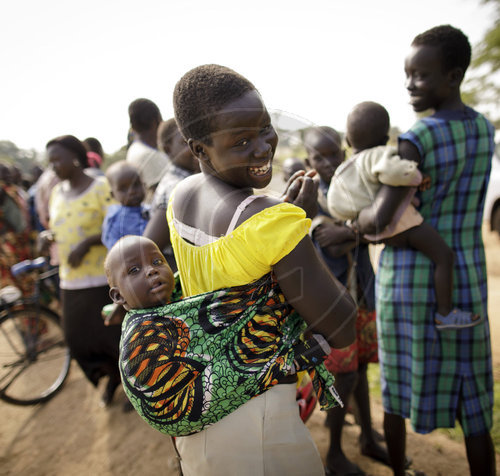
457,319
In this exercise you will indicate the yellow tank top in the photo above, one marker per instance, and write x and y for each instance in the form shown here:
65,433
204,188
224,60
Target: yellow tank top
242,256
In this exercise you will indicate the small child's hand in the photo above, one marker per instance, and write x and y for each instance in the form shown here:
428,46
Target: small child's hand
425,184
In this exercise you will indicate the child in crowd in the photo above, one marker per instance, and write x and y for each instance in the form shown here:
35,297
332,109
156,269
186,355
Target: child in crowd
355,185
182,164
352,267
143,153
254,251
130,216
437,378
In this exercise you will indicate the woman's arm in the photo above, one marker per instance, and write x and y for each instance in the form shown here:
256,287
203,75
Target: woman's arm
157,228
316,295
76,256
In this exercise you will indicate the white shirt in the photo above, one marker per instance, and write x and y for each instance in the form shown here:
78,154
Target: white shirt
151,163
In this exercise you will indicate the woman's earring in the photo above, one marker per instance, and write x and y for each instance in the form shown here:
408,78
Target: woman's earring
76,163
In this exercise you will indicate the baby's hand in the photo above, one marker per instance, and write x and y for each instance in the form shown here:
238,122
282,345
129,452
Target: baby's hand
425,184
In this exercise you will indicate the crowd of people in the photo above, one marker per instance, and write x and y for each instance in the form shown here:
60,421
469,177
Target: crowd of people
266,289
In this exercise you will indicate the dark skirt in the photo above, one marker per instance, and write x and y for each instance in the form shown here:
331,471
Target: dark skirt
93,345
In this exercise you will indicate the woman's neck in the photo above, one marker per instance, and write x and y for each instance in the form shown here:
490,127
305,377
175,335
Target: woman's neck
223,187
149,138
453,103
79,181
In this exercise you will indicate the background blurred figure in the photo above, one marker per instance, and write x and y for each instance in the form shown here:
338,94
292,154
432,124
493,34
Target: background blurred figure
182,164
36,173
95,156
290,166
14,232
350,263
77,208
129,216
143,153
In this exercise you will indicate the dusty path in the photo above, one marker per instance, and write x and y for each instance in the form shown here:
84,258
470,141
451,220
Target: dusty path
73,435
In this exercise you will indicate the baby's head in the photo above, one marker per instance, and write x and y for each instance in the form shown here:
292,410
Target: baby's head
324,151
226,125
367,126
171,142
125,182
138,275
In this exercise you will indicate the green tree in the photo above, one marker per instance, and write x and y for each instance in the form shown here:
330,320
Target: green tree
483,87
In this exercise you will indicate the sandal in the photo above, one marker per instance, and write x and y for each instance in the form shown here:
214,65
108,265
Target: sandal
457,319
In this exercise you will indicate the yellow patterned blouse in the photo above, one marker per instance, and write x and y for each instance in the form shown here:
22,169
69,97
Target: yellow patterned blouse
72,220
242,256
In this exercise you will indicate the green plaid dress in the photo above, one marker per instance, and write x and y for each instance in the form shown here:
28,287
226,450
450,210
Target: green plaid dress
428,375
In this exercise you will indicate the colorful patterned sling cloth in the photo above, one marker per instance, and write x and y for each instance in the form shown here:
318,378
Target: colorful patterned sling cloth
189,363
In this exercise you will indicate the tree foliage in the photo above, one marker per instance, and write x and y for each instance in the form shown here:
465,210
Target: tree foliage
483,88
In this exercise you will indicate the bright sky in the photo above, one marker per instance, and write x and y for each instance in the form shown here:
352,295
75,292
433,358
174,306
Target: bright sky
72,67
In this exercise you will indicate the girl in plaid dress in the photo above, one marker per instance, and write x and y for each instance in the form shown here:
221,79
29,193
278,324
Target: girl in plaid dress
430,377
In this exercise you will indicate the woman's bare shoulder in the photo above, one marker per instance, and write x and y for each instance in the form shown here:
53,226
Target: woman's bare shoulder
188,187
261,203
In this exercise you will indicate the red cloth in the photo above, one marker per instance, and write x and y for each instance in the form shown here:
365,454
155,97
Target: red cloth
94,159
363,350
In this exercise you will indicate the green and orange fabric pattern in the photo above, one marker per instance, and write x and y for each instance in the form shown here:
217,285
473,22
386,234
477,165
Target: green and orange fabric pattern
187,364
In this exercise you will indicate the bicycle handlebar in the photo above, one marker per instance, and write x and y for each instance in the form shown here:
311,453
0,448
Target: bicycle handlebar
28,265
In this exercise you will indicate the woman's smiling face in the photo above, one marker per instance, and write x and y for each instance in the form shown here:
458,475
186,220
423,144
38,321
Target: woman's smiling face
242,145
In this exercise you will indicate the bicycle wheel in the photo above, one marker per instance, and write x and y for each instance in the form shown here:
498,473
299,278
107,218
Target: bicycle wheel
34,359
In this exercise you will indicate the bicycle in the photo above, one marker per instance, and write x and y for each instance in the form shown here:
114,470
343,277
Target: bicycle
34,359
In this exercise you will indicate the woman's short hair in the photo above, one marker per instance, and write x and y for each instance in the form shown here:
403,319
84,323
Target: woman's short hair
453,43
201,93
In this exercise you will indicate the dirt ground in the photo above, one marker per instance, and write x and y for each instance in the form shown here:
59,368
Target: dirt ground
73,435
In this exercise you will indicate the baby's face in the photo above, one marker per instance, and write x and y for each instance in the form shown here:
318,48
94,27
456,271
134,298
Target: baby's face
142,276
